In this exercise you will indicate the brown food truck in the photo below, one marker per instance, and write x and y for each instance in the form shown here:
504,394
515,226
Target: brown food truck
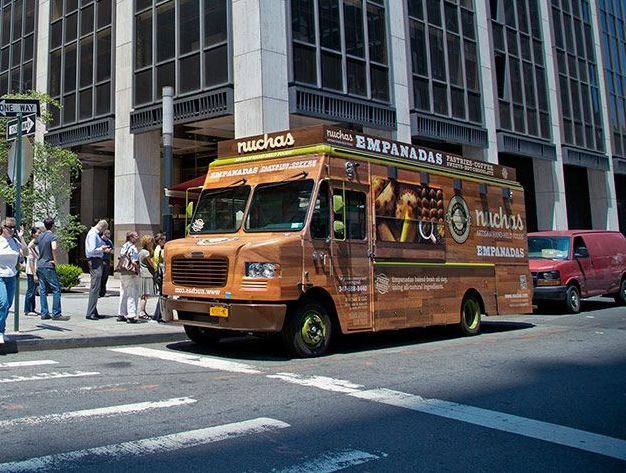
320,230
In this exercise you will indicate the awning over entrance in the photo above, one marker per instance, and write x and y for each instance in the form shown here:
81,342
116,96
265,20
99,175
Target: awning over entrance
190,189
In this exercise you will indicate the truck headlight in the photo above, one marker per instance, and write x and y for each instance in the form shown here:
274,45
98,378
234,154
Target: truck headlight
549,278
263,270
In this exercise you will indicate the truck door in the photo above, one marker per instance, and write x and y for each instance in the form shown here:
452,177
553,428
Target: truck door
350,250
590,283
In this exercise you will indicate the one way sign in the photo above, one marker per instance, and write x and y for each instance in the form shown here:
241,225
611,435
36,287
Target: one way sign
12,107
28,127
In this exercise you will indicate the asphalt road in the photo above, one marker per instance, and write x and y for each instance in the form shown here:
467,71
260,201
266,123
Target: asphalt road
545,392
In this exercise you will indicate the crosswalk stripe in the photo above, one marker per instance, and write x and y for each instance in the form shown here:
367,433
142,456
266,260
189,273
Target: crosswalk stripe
44,376
332,461
153,445
98,412
16,364
570,437
194,360
321,382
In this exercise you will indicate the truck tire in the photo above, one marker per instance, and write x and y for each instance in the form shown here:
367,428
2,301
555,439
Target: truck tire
572,300
470,315
620,297
307,330
201,335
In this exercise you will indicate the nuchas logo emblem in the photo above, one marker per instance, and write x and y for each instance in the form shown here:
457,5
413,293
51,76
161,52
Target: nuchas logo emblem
499,220
265,143
382,283
458,219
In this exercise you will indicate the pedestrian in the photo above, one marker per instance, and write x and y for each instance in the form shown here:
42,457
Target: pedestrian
106,262
160,240
147,272
95,249
130,281
31,273
10,249
47,273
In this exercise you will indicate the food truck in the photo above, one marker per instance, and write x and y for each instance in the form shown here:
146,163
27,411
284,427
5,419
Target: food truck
319,231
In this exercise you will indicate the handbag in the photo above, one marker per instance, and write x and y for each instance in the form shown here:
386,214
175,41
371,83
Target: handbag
126,266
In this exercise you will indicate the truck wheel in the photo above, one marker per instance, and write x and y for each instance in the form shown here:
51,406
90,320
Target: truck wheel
307,331
470,315
620,297
572,300
201,335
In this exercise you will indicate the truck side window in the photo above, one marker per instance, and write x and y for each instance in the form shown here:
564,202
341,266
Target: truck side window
320,221
353,211
580,248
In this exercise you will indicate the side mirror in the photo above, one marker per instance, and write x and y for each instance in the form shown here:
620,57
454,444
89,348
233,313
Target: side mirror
339,229
581,253
337,204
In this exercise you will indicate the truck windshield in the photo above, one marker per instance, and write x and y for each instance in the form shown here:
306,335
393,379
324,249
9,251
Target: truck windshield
548,247
220,210
279,207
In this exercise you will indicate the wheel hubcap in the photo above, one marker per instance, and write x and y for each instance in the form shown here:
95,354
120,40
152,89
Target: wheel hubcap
313,329
574,299
471,314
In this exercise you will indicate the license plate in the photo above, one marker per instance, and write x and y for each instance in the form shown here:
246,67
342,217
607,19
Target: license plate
218,311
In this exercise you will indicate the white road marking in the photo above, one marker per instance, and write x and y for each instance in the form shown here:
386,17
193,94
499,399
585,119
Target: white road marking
332,461
194,360
321,382
76,389
52,375
99,412
16,364
154,445
580,439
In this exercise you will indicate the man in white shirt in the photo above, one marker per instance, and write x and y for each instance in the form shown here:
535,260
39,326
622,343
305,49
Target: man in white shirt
95,248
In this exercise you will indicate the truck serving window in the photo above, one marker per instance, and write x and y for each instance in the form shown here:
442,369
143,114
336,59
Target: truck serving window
548,247
279,207
220,210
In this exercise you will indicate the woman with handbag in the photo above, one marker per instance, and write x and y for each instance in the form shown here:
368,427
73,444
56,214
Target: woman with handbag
130,281
147,271
12,245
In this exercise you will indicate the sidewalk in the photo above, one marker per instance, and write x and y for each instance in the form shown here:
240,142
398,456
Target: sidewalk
37,334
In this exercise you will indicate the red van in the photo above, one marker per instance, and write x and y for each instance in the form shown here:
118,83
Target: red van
569,265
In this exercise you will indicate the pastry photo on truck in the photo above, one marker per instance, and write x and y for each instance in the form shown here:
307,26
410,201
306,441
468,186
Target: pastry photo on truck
320,231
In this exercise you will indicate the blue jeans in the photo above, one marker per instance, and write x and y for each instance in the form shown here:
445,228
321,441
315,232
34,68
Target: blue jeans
7,294
48,279
29,298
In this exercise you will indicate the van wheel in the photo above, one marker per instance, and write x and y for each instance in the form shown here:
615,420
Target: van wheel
470,315
572,300
307,331
620,297
201,335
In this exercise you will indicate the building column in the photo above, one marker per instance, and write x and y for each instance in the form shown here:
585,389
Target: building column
549,181
137,157
485,50
602,194
400,49
260,67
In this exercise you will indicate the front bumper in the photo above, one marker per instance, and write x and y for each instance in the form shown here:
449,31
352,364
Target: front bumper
242,317
549,293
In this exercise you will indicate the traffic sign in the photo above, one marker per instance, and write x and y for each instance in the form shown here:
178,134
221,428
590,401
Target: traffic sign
12,107
28,126
26,161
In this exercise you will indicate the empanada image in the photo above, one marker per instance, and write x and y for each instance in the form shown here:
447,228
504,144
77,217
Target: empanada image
384,233
386,200
406,206
378,183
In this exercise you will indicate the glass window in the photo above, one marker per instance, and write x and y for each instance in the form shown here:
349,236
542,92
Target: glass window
143,87
85,107
189,74
304,64
16,54
331,71
330,34
69,109
376,31
437,57
303,20
104,13
86,62
320,220
455,67
86,20
457,102
216,66
103,98
421,91
215,29
69,74
416,9
440,98
71,25
380,82
103,54
471,66
452,20
189,26
357,81
143,40
220,210
56,9
165,26
165,76
353,26
54,74
418,48
28,47
279,207
17,19
56,34
356,215
434,12
467,20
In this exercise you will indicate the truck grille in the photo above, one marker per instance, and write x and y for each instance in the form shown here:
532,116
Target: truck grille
200,272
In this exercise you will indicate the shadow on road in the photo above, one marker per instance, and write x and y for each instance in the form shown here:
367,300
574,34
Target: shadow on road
270,348
590,305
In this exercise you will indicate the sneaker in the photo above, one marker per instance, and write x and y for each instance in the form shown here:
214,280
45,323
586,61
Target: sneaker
32,314
46,317
61,317
2,339
131,321
121,318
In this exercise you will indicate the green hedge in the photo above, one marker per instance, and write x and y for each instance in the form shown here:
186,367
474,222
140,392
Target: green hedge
69,275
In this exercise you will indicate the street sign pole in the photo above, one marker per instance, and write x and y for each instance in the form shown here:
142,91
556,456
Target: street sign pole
18,214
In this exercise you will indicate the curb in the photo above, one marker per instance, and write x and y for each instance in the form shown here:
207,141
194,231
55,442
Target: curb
16,346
